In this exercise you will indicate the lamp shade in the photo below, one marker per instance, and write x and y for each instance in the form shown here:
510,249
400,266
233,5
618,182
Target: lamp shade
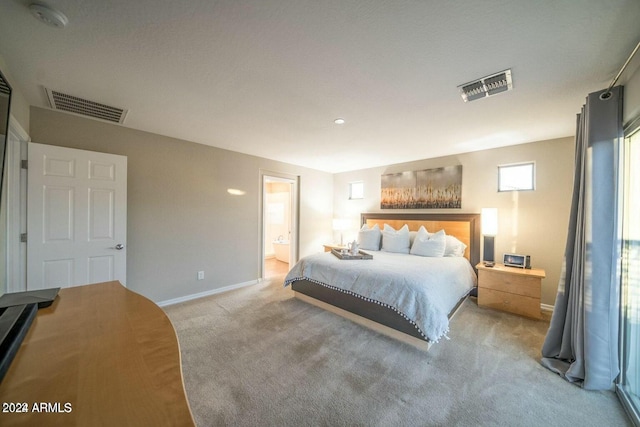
340,224
489,221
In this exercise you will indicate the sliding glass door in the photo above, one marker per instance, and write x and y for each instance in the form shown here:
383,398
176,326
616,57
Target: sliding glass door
629,380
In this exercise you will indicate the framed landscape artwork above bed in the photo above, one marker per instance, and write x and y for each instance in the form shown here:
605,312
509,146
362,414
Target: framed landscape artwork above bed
439,188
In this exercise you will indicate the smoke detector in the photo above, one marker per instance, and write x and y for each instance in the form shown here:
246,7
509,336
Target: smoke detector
48,15
486,86
73,104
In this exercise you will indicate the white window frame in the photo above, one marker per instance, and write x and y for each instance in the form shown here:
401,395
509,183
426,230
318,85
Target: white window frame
358,194
504,187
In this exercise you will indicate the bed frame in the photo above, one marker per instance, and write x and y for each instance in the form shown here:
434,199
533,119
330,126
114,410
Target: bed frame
466,227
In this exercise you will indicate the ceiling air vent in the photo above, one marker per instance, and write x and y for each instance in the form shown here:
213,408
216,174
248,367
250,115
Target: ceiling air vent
486,86
73,104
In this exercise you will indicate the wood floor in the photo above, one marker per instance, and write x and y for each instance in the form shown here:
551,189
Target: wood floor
273,267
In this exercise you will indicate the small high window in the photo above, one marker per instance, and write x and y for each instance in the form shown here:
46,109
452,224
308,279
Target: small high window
517,177
356,190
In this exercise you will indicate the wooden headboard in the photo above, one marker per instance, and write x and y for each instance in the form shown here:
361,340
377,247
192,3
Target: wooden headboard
465,227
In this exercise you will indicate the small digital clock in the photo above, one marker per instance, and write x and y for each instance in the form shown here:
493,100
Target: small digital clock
515,260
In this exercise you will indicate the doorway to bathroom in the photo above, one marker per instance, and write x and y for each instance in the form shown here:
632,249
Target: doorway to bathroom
279,223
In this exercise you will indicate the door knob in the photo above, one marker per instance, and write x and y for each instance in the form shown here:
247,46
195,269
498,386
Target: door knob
119,246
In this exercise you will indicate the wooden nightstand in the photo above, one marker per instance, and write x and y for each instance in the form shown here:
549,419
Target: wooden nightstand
512,289
327,248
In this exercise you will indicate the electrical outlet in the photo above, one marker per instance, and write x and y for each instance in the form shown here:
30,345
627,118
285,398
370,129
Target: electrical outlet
200,275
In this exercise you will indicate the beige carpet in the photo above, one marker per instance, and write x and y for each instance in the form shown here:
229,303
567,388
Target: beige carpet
259,357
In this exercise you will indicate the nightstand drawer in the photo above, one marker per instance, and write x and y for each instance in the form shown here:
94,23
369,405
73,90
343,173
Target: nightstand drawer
518,304
519,284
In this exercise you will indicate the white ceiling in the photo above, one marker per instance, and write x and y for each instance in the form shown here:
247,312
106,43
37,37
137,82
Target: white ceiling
268,77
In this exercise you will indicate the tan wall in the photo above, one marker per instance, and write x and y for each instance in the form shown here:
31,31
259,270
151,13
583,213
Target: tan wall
530,222
180,217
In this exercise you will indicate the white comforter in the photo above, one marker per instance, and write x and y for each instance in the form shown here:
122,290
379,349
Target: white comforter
422,289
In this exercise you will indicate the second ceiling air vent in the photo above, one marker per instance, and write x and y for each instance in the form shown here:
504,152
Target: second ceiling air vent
486,86
73,104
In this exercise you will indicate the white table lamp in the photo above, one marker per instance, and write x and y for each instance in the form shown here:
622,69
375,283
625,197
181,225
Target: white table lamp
340,224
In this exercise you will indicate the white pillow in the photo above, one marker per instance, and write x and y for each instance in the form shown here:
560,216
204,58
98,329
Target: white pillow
431,245
412,236
454,247
395,241
369,238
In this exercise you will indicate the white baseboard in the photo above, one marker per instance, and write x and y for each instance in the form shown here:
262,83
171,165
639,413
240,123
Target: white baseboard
546,307
207,293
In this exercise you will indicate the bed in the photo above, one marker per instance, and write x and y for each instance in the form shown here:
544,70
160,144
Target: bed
391,293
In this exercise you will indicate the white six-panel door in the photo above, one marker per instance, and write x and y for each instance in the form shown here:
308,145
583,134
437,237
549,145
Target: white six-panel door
76,217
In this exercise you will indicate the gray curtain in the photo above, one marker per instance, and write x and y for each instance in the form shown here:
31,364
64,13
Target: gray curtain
582,342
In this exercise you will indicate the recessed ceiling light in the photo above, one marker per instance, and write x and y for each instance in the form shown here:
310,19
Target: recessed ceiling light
339,121
236,192
48,15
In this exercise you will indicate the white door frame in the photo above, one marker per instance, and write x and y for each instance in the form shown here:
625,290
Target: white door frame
294,240
16,202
